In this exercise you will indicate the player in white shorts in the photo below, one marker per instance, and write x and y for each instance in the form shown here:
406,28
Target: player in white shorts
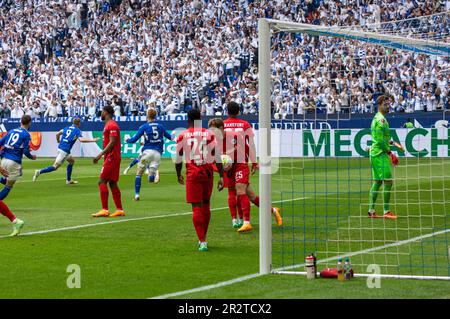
154,134
66,139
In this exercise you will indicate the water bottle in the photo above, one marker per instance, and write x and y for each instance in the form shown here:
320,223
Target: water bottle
348,269
310,267
340,270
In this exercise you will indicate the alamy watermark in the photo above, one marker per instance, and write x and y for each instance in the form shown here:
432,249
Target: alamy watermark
74,279
374,279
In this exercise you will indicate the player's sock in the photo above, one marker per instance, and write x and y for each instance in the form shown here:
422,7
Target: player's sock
4,192
117,196
386,196
48,169
373,195
256,201
104,195
240,212
137,185
232,203
4,210
245,205
206,211
3,180
197,219
133,162
152,175
69,172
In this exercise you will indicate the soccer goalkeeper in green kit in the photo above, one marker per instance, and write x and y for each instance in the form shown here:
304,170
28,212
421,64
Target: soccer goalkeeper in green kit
381,158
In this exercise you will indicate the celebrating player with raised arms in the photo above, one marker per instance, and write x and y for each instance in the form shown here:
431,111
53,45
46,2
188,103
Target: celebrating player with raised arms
381,158
229,179
15,145
152,149
198,148
70,135
111,165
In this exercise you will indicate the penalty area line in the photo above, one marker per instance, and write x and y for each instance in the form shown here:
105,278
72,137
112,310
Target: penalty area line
209,287
75,227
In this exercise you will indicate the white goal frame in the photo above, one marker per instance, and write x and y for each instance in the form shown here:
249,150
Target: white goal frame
265,26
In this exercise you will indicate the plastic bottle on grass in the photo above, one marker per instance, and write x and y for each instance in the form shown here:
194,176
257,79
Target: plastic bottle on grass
347,269
340,270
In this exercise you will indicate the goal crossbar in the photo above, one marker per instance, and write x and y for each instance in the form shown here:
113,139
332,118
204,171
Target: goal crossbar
431,47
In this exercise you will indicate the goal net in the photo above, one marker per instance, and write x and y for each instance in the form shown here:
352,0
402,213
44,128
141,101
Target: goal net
314,146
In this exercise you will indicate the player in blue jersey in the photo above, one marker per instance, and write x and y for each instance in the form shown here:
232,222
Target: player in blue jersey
66,139
152,149
15,145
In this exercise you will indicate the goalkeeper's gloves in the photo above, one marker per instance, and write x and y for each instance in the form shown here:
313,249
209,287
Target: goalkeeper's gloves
394,158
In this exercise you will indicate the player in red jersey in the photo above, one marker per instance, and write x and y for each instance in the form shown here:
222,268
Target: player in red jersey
240,137
111,165
198,147
229,180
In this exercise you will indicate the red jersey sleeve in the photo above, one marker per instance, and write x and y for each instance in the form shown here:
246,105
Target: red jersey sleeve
248,129
113,129
180,142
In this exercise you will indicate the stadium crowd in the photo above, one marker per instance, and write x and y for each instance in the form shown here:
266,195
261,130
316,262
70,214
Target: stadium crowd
66,58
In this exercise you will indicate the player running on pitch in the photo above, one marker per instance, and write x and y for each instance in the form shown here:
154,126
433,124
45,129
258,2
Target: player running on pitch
5,211
197,146
15,145
381,158
228,178
111,166
154,134
70,135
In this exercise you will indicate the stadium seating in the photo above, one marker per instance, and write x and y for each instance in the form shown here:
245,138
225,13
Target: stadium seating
67,58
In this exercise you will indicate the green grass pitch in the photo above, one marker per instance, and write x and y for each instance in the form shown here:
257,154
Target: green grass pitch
152,251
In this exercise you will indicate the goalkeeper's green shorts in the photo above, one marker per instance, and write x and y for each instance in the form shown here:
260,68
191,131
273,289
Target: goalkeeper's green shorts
381,167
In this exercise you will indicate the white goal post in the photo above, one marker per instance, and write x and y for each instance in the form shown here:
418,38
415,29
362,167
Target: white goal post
265,29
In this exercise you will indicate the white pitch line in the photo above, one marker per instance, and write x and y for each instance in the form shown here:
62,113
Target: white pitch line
209,287
63,179
251,276
46,231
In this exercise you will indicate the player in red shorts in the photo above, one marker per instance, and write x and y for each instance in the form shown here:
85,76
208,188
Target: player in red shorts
239,135
229,180
198,147
111,165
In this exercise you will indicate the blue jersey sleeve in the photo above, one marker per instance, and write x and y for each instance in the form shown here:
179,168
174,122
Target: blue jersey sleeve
137,136
166,135
26,147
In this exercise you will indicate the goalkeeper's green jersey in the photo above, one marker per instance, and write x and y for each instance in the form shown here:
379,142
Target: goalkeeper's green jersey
380,135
